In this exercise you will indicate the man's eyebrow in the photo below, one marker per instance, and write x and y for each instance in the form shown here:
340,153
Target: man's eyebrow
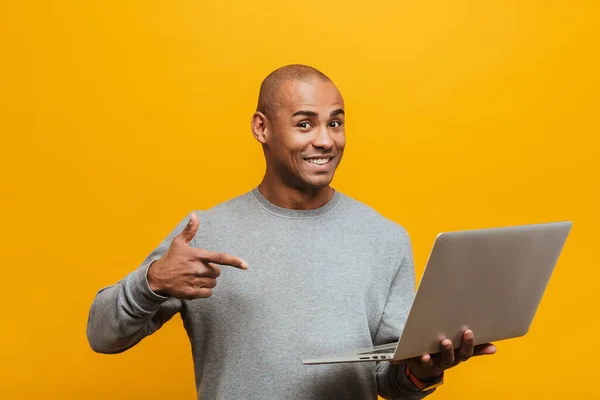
305,113
339,111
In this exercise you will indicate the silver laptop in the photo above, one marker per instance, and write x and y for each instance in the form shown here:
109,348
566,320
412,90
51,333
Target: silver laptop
488,280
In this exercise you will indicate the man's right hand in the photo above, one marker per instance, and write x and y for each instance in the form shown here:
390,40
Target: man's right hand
186,272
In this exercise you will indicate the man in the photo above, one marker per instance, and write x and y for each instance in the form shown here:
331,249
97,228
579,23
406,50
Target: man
315,272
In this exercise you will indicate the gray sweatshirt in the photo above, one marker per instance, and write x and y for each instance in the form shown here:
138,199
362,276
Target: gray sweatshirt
319,281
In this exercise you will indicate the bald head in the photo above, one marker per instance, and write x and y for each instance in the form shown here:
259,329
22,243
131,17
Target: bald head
268,98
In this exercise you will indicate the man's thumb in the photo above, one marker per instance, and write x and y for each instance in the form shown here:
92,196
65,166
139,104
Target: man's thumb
191,228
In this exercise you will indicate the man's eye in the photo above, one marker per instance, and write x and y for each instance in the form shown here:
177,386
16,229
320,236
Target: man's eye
304,125
335,124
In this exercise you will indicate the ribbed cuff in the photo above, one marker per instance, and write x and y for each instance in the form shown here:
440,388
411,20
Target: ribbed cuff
403,380
408,384
140,290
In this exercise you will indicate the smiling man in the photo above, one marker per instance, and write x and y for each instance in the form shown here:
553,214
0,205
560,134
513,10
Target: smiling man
314,272
300,123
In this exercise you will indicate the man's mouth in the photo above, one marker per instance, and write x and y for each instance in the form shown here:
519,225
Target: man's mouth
318,161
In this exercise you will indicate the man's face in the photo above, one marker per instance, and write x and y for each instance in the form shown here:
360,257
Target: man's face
307,138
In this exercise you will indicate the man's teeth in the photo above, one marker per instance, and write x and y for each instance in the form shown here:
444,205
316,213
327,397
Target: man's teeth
318,161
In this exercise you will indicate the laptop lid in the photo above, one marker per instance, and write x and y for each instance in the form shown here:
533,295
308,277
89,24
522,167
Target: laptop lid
488,280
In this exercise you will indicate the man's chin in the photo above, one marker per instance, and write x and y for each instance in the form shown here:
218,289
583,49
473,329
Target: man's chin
320,182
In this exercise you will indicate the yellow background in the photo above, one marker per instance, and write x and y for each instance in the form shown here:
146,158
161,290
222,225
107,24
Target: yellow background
117,118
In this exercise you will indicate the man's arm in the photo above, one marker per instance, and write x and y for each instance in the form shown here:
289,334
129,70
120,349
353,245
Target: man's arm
392,381
123,314
394,384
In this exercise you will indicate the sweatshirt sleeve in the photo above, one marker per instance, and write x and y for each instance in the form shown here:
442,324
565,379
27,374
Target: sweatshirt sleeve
123,314
392,383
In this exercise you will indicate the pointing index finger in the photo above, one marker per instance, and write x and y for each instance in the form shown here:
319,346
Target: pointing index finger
221,259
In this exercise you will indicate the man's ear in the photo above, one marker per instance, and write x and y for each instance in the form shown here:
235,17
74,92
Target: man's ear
260,128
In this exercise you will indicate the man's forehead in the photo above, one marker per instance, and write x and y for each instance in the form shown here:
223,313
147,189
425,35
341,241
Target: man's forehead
313,94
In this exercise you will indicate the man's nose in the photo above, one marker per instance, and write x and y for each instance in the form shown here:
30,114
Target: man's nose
323,139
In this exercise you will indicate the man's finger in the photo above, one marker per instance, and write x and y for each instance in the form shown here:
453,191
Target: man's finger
426,361
484,349
205,282
208,269
467,345
447,353
207,256
202,293
190,230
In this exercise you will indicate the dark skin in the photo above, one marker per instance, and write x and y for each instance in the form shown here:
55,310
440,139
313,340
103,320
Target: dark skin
433,365
187,272
303,142
307,122
307,127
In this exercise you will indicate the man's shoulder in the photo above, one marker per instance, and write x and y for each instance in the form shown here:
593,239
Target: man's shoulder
229,207
238,202
369,218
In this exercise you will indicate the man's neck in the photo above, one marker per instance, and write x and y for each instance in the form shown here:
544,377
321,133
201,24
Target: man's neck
295,198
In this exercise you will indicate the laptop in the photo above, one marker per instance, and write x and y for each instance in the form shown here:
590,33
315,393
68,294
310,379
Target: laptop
488,280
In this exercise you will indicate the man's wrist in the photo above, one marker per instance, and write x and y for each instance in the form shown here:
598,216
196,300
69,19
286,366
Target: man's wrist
423,384
427,378
152,282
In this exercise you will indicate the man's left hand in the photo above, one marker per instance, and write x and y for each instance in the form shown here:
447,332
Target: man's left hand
433,365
